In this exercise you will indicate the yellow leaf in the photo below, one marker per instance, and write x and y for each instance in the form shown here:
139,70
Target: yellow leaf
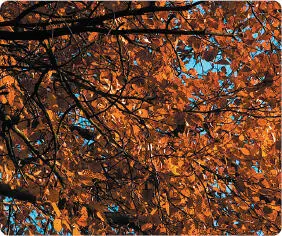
241,137
47,77
256,199
244,207
229,145
3,99
7,80
61,11
51,114
153,211
75,230
30,176
56,209
57,223
173,168
192,72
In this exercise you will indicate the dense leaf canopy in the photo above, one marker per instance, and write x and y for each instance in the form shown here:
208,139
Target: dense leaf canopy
140,117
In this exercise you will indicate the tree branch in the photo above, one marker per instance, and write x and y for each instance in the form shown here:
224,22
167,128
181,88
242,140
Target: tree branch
46,34
100,19
19,194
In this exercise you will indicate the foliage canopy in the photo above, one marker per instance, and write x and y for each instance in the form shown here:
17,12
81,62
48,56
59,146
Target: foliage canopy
142,117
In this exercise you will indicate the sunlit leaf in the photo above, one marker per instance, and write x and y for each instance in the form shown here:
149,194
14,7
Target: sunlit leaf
57,223
245,151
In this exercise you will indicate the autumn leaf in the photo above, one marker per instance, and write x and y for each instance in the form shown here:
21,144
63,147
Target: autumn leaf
173,168
82,221
146,226
92,36
51,114
167,208
75,230
92,175
192,72
101,216
245,151
56,209
57,223
262,122
140,117
241,137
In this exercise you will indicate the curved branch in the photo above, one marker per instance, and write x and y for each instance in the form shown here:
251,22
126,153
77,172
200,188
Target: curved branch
101,19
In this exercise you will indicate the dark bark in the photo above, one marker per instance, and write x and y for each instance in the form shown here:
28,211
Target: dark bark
46,34
100,19
117,219
19,194
96,25
83,132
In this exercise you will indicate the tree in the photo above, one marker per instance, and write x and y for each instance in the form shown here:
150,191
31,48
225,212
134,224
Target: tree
141,117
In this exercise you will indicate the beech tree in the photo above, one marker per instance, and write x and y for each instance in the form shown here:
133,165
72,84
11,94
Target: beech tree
140,117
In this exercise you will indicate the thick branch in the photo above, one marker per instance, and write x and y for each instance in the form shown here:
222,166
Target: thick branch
100,19
46,34
18,194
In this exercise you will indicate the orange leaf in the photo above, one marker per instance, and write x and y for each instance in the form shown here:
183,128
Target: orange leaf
262,122
101,216
57,223
167,207
51,114
56,209
82,221
192,72
93,36
146,226
75,230
245,151
241,137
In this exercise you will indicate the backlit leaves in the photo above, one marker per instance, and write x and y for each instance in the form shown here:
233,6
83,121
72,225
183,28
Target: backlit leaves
123,117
